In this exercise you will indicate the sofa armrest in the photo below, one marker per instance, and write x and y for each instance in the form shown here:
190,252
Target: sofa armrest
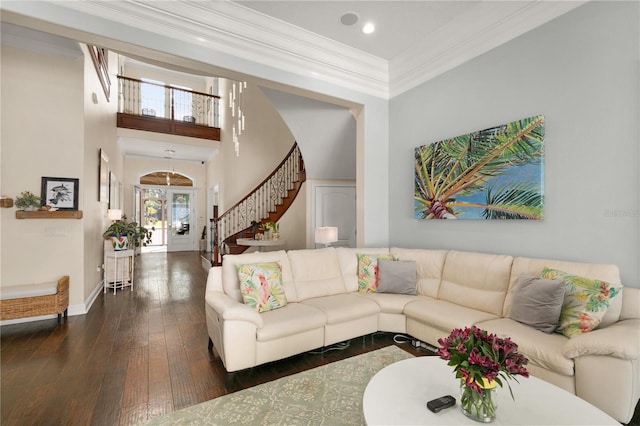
229,309
619,340
214,279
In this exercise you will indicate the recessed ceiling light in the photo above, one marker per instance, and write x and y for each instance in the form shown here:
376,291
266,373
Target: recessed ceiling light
349,18
368,28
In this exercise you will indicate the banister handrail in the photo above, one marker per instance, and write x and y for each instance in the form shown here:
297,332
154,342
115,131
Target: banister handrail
266,202
273,173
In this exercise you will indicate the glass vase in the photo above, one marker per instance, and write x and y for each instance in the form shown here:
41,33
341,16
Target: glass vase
480,406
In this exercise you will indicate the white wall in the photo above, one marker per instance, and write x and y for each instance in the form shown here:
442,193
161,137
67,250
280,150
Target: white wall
263,144
42,135
581,71
99,122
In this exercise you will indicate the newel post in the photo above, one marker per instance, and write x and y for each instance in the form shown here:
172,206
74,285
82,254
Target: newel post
215,248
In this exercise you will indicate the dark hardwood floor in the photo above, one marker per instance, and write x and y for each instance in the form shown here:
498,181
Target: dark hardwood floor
136,355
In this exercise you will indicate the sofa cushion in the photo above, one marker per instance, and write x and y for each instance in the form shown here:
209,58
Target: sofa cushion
533,266
289,320
585,301
368,271
348,259
261,285
343,307
444,315
231,284
316,272
542,349
429,266
537,302
396,276
476,280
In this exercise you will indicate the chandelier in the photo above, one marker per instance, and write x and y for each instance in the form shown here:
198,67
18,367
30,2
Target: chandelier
169,156
236,104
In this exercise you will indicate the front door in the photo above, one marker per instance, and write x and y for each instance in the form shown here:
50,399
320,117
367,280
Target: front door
181,215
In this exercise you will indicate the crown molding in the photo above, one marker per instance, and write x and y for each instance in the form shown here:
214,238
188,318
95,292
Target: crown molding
230,28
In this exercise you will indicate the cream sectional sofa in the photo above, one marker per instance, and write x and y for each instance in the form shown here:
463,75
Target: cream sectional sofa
454,290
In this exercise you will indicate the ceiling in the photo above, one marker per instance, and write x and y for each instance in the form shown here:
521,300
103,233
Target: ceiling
399,24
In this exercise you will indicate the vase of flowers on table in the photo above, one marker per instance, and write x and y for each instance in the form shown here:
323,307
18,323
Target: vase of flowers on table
481,361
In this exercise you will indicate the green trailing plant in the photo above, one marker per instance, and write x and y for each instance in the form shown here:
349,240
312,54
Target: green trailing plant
27,199
141,236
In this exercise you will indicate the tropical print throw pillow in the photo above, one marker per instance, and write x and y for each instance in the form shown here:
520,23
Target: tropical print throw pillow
368,271
261,285
585,301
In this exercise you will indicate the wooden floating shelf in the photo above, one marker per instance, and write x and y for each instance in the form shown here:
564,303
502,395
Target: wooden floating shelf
58,214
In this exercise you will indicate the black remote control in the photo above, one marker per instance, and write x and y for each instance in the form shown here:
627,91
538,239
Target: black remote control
441,403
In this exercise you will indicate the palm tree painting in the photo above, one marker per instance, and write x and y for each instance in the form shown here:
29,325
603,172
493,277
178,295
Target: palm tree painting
495,173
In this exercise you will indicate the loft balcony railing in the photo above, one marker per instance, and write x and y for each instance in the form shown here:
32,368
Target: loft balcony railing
160,108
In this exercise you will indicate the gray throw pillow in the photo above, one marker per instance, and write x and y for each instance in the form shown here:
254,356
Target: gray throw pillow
537,302
396,276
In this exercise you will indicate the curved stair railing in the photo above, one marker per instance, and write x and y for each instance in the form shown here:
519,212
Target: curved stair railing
266,203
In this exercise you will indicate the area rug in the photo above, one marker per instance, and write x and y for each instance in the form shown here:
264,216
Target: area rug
327,395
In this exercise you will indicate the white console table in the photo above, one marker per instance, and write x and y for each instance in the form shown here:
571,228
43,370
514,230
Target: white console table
121,263
261,244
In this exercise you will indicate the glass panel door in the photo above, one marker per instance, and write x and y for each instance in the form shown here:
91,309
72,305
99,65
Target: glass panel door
181,214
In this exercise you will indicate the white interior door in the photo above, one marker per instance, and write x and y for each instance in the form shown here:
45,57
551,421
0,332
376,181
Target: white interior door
182,228
335,205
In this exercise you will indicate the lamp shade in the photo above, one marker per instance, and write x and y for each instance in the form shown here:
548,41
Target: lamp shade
114,214
326,234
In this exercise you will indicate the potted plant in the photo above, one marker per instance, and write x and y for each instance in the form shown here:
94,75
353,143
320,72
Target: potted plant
125,235
27,201
118,232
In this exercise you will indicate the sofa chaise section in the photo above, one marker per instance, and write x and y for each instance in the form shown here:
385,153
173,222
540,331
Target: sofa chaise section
597,366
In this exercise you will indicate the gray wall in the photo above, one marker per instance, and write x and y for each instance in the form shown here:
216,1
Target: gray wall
326,134
582,72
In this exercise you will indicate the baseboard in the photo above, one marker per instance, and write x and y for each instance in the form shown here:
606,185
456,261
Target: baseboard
92,297
206,263
72,310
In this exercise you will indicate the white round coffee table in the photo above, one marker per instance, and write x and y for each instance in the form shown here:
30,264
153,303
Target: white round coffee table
398,395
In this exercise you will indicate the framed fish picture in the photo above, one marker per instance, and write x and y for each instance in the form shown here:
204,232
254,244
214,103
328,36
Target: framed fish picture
60,193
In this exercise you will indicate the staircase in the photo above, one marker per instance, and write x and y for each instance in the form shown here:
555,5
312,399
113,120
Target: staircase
266,203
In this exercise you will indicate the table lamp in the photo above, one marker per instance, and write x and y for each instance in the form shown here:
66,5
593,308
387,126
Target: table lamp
114,214
326,235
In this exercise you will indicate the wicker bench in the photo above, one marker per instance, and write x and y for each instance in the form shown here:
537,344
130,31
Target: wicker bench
32,300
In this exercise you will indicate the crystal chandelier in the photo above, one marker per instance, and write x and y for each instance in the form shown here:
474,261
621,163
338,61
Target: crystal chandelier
236,104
